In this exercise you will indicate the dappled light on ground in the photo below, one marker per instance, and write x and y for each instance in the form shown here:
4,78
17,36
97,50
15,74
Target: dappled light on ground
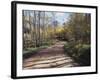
51,57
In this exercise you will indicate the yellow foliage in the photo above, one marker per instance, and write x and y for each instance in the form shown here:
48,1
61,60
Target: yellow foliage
59,29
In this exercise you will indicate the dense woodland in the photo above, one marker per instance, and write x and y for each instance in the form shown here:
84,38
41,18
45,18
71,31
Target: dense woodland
41,30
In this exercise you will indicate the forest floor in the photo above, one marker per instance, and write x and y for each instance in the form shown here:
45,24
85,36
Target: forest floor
51,57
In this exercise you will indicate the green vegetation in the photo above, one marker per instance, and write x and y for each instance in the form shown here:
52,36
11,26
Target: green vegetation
31,51
79,52
78,38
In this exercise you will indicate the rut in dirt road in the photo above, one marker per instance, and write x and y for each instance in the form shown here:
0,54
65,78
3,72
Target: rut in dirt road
51,57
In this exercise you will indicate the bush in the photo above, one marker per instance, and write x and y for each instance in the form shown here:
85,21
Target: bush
84,54
48,43
77,47
43,47
80,52
69,48
29,52
32,51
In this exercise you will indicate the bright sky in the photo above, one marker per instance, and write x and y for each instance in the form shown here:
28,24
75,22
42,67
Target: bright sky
61,17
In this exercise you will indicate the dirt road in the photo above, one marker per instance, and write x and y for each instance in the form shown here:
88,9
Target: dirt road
51,57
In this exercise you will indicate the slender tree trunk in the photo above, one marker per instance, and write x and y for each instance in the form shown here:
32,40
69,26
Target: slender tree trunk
23,30
35,24
43,28
39,27
31,28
